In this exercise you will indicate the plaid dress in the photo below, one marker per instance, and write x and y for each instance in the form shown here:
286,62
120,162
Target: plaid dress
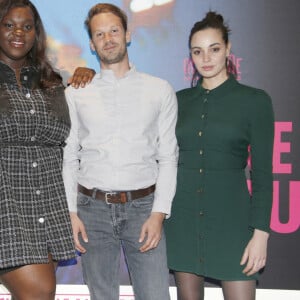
34,218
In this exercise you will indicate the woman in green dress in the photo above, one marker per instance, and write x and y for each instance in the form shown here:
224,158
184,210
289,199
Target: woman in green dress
217,228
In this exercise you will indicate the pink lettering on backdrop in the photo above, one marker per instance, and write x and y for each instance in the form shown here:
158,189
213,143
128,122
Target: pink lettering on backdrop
237,65
293,223
249,185
188,67
281,147
292,201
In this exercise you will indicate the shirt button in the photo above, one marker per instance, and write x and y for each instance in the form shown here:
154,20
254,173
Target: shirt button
34,164
28,95
32,138
203,116
200,190
201,152
32,111
41,220
201,170
207,91
200,133
201,213
38,192
205,100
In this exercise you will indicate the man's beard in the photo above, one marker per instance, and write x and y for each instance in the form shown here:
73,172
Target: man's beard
113,60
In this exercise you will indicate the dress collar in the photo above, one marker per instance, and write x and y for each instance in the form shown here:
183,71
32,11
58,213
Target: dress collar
220,90
29,75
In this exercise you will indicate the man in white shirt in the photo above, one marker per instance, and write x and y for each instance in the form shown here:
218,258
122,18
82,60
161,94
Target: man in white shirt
120,165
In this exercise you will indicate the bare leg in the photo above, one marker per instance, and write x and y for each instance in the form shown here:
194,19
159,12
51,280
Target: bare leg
237,290
31,282
189,286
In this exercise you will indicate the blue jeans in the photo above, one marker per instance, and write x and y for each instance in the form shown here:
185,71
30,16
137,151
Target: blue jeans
110,227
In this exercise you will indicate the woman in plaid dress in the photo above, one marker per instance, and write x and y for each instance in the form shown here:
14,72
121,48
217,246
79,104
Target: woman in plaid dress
35,229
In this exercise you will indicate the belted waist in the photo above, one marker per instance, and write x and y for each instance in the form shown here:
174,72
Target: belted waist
112,197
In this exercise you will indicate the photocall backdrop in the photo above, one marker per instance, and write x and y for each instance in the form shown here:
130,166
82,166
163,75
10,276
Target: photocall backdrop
266,40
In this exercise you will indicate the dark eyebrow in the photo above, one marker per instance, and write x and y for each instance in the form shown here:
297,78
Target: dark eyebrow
212,45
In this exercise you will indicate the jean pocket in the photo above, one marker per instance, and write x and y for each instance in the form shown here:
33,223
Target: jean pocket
83,200
145,202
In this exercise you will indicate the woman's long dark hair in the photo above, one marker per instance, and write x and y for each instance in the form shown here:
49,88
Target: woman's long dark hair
37,55
215,21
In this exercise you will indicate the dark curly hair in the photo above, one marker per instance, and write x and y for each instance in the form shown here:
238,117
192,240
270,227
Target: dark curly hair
37,55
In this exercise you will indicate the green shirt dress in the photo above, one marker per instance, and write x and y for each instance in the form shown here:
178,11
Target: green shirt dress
213,213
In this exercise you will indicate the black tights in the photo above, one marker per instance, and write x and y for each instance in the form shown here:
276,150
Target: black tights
191,287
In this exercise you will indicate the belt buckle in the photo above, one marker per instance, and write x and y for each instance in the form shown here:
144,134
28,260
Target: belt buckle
107,195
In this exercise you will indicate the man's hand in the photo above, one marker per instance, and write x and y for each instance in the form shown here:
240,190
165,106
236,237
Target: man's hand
78,228
151,231
81,77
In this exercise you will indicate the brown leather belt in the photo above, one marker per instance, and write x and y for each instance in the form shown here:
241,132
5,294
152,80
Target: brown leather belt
116,197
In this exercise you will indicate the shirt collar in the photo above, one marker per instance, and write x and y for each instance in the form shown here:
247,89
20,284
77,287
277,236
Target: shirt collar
108,75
